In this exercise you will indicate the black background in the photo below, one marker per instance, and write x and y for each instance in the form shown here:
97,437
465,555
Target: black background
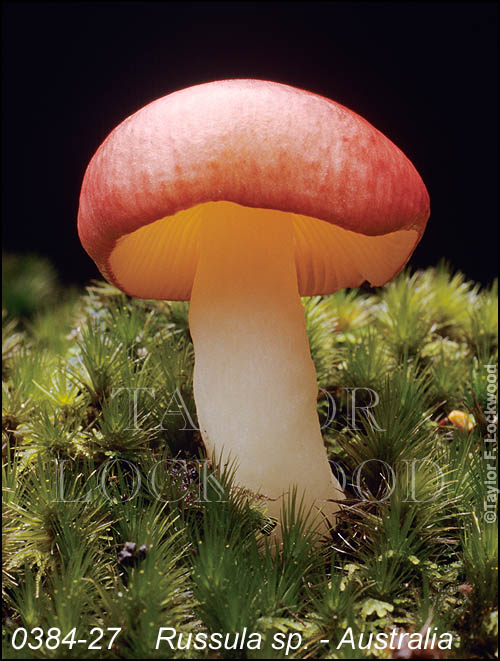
424,74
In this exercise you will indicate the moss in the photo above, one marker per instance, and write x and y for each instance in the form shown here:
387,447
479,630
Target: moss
101,450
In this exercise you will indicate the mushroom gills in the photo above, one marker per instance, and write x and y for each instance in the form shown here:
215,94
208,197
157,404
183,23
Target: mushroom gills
159,260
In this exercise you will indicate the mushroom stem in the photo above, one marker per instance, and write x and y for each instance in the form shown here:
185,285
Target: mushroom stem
254,379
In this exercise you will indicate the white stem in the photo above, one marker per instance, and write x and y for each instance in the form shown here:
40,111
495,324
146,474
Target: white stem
254,379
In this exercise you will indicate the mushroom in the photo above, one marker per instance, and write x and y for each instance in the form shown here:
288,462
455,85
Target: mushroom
242,196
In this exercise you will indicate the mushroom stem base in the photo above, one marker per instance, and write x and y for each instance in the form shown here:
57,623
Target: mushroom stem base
254,379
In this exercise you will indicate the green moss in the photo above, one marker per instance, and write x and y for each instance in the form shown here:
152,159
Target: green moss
100,449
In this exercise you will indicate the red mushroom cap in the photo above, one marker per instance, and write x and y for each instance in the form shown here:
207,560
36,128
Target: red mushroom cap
358,205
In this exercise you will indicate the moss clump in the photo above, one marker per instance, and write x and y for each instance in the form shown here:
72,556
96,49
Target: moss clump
111,520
